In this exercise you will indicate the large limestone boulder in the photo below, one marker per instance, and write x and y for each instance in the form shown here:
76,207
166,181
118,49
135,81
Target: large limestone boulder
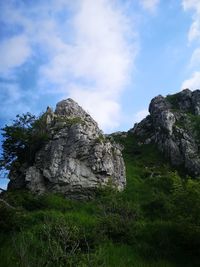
173,126
76,160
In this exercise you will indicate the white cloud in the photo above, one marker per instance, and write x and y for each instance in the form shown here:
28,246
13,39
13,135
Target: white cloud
193,35
104,109
98,61
195,59
89,48
191,4
141,115
194,32
192,83
11,101
150,5
13,52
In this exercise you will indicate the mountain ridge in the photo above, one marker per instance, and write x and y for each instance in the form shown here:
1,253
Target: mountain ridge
78,157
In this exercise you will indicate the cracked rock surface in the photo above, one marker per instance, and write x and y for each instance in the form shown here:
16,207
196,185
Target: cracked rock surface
77,159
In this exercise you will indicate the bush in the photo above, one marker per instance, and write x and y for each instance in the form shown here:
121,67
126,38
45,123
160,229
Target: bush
22,140
50,244
8,218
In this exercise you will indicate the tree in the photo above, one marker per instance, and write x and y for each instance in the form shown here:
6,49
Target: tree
22,139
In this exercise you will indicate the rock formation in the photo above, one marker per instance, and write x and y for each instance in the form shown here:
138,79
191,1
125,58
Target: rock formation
174,126
77,159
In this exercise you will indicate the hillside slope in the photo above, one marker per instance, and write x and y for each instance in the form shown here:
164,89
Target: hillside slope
154,222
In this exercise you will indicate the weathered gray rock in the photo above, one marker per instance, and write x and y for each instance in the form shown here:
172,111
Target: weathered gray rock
76,160
171,126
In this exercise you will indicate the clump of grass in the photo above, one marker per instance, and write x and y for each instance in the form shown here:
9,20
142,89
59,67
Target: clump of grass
100,139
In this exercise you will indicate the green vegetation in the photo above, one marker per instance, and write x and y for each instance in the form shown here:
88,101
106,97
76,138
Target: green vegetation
101,139
173,100
155,222
22,139
25,136
69,121
195,123
190,122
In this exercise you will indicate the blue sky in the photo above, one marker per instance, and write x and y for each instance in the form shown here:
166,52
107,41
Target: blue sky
111,56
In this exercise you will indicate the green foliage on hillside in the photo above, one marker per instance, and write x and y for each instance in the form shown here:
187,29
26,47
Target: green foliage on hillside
155,222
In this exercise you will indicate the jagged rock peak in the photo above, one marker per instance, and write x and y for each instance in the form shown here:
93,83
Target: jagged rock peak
158,103
173,126
71,109
68,107
77,158
186,101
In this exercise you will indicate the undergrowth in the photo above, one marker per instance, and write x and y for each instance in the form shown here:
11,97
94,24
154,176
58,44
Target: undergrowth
154,222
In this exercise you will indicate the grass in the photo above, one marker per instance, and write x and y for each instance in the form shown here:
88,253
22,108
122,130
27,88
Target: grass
122,255
155,222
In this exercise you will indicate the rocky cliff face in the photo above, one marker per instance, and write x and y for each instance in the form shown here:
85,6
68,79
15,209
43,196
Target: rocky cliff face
76,160
174,126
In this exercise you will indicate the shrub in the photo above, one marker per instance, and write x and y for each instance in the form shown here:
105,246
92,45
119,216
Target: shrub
8,218
22,140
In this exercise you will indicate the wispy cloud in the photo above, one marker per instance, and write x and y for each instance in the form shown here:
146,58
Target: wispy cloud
88,48
194,5
14,52
195,59
150,5
95,68
193,82
12,102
